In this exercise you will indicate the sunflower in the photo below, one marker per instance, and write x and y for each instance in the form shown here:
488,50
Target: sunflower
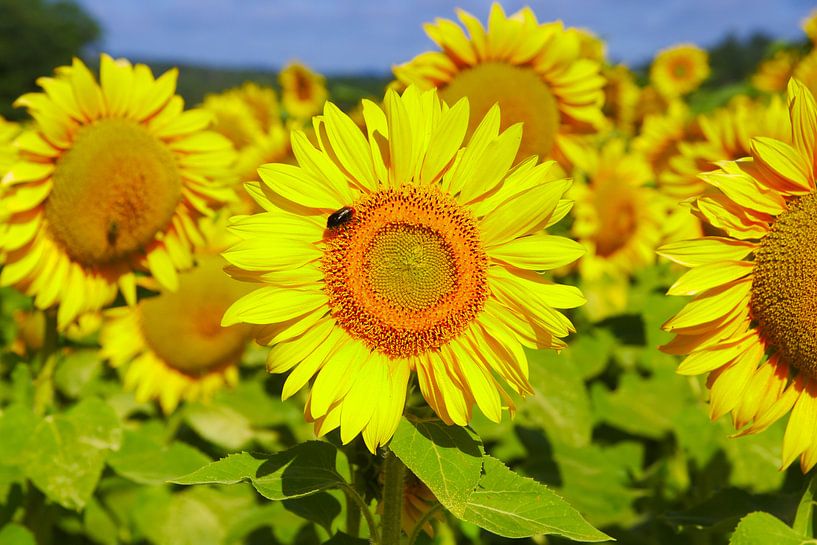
809,26
396,250
250,117
9,130
806,71
303,90
773,73
661,136
418,500
618,218
680,69
534,71
110,181
173,345
751,323
726,135
621,98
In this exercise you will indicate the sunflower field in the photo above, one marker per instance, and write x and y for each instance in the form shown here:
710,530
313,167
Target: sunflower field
515,294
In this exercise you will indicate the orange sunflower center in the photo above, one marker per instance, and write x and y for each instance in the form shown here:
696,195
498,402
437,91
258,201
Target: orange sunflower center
784,286
183,328
113,191
408,273
522,96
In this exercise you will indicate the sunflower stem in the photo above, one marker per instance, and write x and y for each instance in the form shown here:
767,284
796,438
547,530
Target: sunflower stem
46,361
395,480
415,532
804,519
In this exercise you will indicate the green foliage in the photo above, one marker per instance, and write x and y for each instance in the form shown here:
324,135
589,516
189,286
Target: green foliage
35,37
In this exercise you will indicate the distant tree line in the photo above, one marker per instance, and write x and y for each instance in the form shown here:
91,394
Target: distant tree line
37,35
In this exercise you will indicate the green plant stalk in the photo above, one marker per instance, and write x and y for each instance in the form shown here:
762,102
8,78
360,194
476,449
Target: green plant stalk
46,362
395,480
804,519
352,494
415,532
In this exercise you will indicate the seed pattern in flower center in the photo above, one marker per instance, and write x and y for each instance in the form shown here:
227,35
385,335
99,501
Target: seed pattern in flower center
784,286
408,273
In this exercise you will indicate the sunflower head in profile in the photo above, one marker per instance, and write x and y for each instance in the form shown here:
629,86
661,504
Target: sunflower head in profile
724,135
250,117
679,70
621,98
172,346
536,72
303,91
751,322
401,249
109,184
773,74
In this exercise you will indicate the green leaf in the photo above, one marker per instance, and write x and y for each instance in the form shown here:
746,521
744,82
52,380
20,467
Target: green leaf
177,519
320,508
14,534
560,404
17,424
643,406
448,459
599,480
76,370
300,471
144,460
510,505
760,528
99,525
219,425
66,452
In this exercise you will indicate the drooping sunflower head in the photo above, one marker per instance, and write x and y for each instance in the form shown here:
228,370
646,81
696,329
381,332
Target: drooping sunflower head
250,117
726,135
536,72
680,69
404,248
751,323
806,71
110,182
172,346
621,97
773,74
303,91
810,26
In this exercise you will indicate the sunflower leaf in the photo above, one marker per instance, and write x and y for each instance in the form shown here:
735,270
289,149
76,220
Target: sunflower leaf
510,505
760,528
144,460
66,452
305,469
448,459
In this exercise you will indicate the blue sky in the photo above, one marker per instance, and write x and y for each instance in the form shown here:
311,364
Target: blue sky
342,36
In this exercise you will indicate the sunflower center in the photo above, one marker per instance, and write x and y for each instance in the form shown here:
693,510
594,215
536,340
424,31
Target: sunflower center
408,273
411,267
522,96
617,215
784,286
680,70
184,328
113,191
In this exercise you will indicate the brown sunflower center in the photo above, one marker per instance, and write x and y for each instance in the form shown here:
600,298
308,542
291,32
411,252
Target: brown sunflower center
618,219
522,96
184,328
784,286
408,273
113,191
